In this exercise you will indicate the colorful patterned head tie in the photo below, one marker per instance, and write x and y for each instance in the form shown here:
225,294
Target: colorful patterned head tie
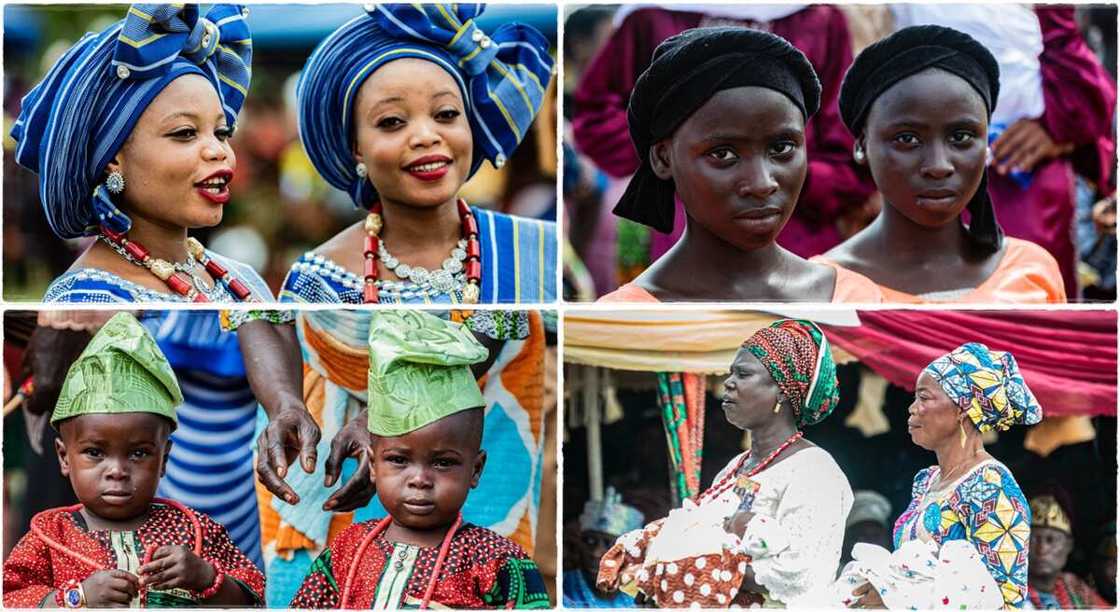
419,370
121,370
799,358
987,386
609,515
502,77
76,119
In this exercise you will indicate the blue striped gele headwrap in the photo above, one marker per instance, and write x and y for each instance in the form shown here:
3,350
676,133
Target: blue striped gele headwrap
502,77
76,119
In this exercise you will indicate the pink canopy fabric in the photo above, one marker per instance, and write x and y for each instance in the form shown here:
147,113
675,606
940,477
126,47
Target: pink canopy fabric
1068,358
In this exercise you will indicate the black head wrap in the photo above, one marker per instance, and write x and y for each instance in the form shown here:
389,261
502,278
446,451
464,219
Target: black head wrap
686,71
906,53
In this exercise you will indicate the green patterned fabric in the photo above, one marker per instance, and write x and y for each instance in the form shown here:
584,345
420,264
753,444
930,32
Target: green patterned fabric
121,370
419,370
799,358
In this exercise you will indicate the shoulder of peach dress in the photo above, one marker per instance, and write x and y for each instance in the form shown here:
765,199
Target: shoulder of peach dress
1027,274
630,292
854,288
851,287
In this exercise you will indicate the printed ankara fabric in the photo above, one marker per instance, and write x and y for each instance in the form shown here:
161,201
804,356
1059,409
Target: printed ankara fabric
33,569
799,358
482,570
987,386
986,508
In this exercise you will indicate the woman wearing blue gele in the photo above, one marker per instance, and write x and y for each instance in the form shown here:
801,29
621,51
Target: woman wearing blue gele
129,133
399,107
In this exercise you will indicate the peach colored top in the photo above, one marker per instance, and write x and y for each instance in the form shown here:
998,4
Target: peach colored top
1027,274
851,287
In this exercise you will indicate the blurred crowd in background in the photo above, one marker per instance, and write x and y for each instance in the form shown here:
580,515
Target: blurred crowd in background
280,207
606,47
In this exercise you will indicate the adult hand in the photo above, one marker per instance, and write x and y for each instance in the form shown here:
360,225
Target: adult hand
110,589
867,597
50,353
350,441
291,432
177,567
1024,145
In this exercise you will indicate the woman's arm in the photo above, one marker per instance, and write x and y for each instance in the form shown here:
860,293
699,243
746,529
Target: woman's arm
274,366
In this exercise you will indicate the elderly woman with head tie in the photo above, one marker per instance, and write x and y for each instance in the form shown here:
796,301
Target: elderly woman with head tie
770,527
129,134
718,119
399,107
965,536
919,103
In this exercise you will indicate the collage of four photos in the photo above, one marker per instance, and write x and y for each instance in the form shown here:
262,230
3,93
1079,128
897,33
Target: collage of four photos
558,305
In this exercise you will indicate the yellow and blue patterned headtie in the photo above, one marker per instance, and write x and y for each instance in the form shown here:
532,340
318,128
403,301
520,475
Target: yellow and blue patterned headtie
76,119
987,386
502,76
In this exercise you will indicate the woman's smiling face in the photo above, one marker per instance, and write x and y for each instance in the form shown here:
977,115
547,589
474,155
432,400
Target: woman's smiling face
926,141
412,133
738,164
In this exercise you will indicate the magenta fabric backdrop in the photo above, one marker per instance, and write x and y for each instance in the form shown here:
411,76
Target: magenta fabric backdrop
1068,358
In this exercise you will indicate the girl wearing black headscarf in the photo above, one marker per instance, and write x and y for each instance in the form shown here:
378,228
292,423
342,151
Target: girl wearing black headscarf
918,103
718,118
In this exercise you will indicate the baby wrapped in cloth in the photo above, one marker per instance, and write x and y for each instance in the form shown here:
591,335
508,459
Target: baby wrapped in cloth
688,559
917,576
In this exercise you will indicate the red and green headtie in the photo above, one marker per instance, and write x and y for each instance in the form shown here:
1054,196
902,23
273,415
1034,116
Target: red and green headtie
799,358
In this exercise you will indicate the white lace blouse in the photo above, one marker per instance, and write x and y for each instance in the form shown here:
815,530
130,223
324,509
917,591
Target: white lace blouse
797,532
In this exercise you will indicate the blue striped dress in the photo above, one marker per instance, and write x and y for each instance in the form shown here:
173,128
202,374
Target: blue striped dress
211,463
518,258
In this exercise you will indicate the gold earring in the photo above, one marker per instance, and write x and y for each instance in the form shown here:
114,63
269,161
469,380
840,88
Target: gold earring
778,407
964,439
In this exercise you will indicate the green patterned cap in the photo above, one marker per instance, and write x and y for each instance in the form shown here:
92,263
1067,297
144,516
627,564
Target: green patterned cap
419,370
121,370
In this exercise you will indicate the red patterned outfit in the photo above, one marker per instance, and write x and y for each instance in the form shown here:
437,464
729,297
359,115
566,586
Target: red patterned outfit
1070,593
482,570
34,569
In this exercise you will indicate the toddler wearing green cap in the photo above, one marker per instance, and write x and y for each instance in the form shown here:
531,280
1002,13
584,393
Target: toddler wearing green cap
122,546
425,451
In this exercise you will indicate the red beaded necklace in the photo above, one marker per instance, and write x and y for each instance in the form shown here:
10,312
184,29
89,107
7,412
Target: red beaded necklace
178,281
1067,600
472,266
718,488
380,528
51,543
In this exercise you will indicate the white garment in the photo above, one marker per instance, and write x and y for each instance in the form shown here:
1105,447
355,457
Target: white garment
797,532
917,576
1013,35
